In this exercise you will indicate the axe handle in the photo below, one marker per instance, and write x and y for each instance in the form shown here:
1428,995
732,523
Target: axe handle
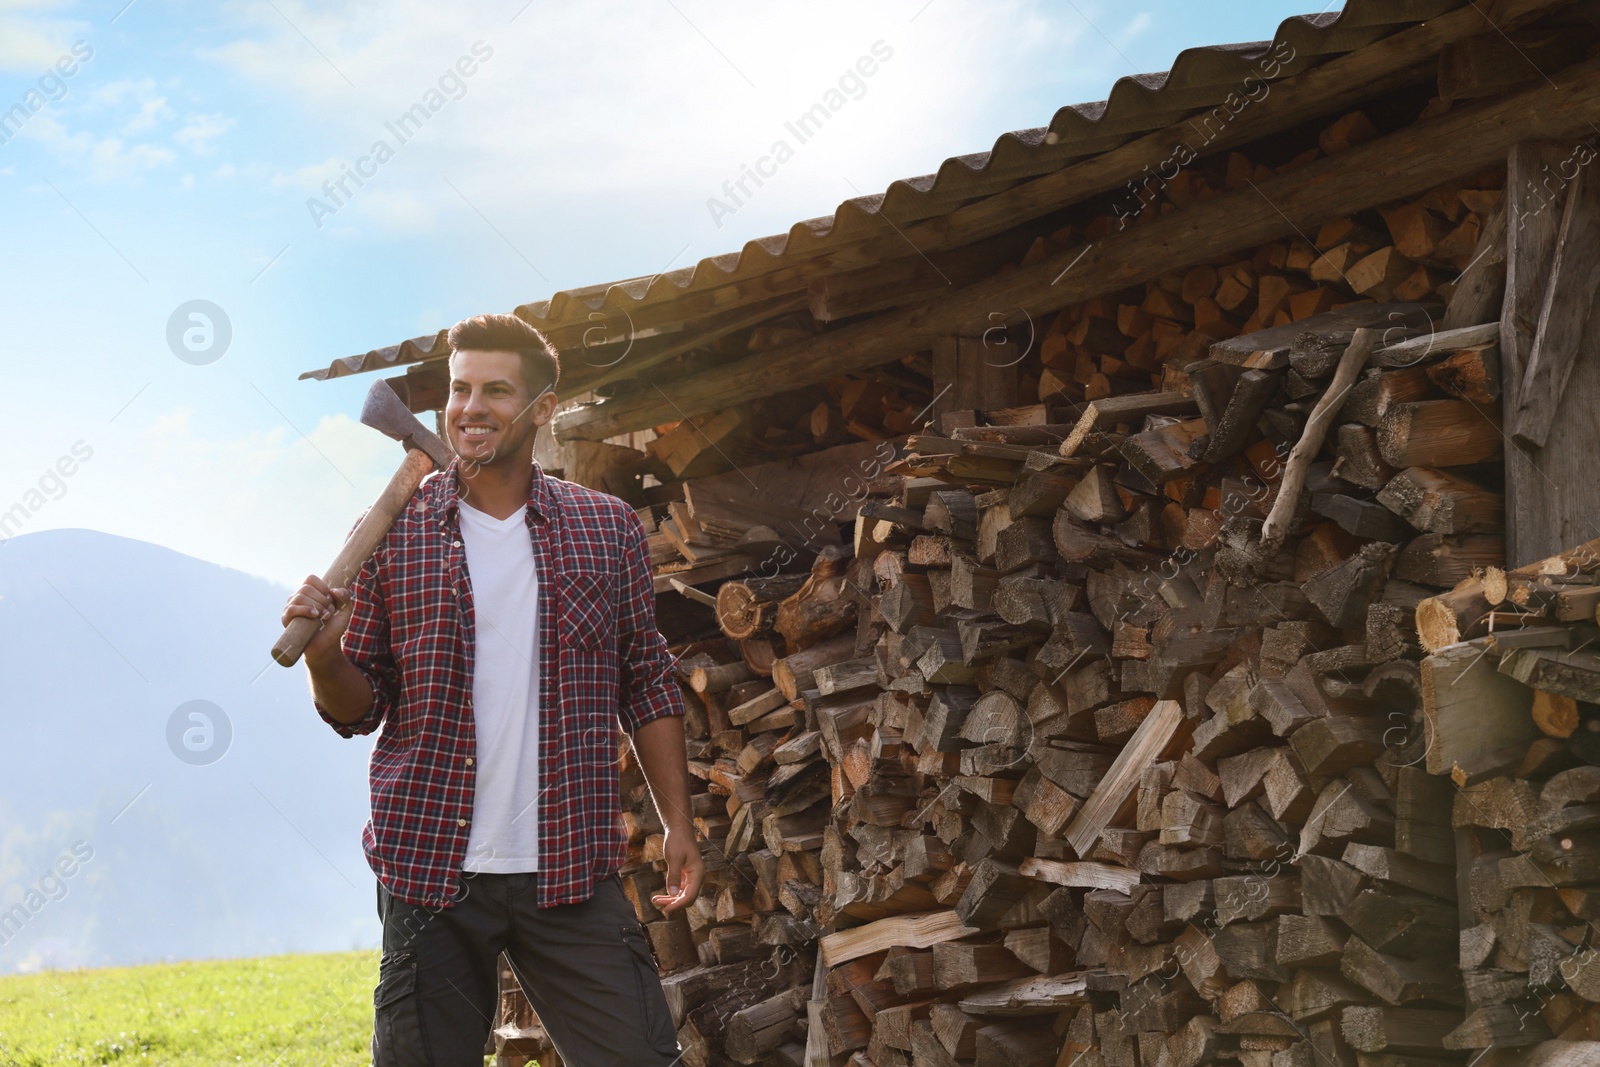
363,541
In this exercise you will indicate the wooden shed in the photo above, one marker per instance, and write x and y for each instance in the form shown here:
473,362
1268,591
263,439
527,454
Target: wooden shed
1135,588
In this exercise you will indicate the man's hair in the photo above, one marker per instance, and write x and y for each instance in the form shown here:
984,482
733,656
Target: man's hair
506,333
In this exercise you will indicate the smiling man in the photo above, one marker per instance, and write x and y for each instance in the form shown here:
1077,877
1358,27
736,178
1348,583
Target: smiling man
496,640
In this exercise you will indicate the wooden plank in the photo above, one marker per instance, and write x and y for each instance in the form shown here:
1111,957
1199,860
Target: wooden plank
910,931
1563,1054
1142,749
1551,497
969,376
1080,875
1480,290
1533,210
1567,674
715,571
1268,349
1564,329
1410,161
1038,995
1434,344
1130,408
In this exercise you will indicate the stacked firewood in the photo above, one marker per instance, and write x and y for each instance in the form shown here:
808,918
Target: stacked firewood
1513,721
1132,341
1042,736
1057,757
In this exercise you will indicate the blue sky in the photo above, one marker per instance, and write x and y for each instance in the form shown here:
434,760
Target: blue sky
176,162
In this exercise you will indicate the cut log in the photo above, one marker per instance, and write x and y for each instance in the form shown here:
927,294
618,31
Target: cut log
748,607
1438,433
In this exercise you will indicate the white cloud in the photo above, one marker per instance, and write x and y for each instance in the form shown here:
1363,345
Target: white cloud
1135,27
307,178
129,106
31,42
397,211
640,100
267,501
152,112
199,130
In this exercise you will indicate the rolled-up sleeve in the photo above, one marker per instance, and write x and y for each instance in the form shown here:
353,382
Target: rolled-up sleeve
648,689
366,645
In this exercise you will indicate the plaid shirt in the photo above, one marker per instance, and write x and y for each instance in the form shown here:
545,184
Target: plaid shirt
411,634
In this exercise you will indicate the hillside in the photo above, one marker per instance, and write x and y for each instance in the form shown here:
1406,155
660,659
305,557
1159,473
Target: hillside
102,639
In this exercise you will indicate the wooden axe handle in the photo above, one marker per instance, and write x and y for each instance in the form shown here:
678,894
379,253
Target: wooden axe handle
363,541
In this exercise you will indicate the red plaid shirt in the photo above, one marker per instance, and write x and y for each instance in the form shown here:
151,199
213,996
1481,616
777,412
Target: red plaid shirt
411,634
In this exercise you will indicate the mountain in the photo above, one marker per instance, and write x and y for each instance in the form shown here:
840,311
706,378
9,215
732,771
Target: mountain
133,831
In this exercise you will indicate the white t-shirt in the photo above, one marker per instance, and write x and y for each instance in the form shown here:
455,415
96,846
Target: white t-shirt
504,838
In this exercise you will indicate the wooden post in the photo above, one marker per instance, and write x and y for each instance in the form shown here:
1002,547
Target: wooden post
1552,500
973,374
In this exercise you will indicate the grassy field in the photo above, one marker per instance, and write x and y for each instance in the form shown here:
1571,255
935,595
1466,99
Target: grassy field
277,1011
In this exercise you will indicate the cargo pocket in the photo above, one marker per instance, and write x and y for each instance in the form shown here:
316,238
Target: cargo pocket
658,1028
397,1039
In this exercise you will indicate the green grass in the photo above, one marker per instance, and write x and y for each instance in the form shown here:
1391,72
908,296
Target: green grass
277,1011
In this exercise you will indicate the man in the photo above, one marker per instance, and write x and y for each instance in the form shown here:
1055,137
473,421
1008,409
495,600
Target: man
498,636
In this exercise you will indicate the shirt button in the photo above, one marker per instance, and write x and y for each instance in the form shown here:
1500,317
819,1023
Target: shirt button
461,822
469,761
455,544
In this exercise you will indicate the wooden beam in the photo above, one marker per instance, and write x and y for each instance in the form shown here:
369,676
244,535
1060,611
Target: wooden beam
591,368
913,279
1402,164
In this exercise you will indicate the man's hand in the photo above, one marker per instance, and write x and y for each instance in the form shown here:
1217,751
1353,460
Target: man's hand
685,871
336,683
316,600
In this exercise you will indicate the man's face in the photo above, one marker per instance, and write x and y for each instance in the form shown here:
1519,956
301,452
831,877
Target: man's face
491,416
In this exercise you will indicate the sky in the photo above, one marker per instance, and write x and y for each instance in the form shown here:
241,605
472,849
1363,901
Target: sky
178,249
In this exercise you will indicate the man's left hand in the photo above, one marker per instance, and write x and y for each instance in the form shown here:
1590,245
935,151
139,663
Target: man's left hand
685,871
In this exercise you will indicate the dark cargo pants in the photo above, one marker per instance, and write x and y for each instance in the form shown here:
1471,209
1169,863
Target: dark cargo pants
587,968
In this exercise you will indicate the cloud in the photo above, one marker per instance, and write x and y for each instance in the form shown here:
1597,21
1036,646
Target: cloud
646,98
397,211
307,178
199,130
107,159
1135,27
31,42
266,501
128,106
151,113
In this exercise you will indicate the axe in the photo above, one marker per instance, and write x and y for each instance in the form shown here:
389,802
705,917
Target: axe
385,412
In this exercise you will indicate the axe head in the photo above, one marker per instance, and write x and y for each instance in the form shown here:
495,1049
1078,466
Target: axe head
385,412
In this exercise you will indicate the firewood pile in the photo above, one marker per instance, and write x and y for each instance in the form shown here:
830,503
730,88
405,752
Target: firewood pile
1086,716
1513,722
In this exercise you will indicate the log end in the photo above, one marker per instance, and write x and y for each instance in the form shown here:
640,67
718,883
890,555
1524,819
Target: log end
1436,625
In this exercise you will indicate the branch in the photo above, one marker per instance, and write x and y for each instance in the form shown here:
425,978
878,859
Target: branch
1322,416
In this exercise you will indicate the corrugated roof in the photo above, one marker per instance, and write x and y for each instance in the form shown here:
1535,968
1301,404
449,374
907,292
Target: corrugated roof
1200,79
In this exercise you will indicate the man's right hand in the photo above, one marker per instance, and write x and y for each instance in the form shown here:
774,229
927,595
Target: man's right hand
332,607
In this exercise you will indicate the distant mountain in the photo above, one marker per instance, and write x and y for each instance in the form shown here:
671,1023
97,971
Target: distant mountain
121,840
